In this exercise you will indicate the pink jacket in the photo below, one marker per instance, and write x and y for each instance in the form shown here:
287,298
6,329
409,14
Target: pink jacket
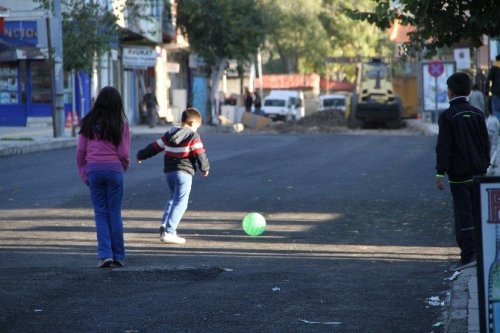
103,153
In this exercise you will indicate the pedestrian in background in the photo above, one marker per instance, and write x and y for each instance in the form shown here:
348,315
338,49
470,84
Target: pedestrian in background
493,86
462,152
151,104
493,126
257,102
184,152
248,100
476,98
103,154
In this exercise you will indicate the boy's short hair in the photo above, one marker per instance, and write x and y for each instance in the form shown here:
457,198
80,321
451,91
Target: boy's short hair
191,114
459,83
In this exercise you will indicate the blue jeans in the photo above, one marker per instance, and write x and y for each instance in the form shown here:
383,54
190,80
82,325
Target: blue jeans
179,184
106,193
495,105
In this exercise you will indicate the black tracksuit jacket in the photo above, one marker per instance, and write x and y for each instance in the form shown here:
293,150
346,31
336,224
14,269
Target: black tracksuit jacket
463,147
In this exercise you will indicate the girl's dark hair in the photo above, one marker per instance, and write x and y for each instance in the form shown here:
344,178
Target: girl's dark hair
106,117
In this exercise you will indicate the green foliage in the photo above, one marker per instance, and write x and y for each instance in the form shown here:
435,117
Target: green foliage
302,33
438,23
294,35
89,29
219,29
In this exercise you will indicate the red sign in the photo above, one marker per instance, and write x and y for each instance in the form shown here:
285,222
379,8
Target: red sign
436,68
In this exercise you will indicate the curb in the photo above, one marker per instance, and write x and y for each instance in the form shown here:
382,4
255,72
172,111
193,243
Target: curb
462,313
35,146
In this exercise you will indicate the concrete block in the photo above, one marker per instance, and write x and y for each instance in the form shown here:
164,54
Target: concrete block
253,120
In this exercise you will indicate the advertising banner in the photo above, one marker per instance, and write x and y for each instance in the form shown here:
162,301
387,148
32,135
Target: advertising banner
487,225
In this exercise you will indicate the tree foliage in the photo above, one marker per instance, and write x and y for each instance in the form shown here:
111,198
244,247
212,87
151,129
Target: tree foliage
89,29
302,33
437,23
219,29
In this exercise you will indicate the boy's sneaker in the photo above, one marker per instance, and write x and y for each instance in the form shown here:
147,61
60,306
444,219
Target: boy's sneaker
172,239
103,263
461,265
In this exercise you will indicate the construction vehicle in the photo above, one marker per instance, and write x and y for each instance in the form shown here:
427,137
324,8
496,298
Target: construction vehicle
374,100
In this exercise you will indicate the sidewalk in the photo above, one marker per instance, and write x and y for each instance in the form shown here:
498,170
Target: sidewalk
461,310
462,313
24,140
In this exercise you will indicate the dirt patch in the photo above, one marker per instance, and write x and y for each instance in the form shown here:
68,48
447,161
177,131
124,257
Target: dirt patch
325,121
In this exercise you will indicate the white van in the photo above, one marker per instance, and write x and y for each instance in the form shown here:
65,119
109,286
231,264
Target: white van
332,102
284,105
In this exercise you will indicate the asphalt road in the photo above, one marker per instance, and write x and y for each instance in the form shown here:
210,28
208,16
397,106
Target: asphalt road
358,238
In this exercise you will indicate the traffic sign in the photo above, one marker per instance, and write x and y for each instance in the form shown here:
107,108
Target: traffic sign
436,68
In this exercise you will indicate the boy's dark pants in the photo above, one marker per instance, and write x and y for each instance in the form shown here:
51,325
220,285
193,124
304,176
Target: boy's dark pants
464,222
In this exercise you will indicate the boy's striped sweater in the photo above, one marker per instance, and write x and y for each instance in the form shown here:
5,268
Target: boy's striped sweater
183,149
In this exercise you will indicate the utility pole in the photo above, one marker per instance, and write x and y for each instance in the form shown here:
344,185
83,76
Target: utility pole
54,35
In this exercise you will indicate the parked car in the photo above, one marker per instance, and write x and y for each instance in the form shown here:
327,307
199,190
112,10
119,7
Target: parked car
332,102
284,105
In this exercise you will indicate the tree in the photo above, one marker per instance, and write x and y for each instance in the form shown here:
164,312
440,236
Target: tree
90,28
437,23
302,33
219,30
295,36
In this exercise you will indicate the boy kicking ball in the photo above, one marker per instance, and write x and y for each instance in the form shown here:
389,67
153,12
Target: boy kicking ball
184,154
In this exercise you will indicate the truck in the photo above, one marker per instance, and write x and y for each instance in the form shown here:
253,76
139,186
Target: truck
374,100
284,105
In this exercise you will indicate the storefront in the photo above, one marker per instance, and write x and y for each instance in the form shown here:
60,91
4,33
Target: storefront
25,76
139,72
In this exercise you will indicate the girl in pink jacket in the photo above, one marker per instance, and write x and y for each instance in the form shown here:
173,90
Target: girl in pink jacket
103,154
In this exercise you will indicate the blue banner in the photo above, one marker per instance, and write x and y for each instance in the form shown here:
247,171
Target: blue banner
21,33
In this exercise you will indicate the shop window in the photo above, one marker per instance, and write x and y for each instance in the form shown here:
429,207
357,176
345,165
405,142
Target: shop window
68,91
40,82
8,84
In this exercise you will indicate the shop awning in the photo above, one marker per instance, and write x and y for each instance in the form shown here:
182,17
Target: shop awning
14,50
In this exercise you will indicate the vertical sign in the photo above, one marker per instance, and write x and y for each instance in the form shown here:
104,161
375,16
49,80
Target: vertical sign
487,225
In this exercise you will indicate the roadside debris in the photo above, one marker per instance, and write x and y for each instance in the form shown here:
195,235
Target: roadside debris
321,322
454,276
435,301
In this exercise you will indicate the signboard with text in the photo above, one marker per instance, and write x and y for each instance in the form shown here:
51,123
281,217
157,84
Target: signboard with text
139,57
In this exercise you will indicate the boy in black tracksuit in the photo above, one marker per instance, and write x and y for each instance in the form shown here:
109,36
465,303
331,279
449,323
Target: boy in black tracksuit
462,152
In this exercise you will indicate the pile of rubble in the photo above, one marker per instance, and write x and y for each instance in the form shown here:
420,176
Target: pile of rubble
325,121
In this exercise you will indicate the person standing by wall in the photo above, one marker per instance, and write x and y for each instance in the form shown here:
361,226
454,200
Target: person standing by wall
493,86
103,154
151,104
248,100
462,152
257,102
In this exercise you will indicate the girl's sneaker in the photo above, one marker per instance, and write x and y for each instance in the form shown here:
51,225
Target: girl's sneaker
118,263
103,263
